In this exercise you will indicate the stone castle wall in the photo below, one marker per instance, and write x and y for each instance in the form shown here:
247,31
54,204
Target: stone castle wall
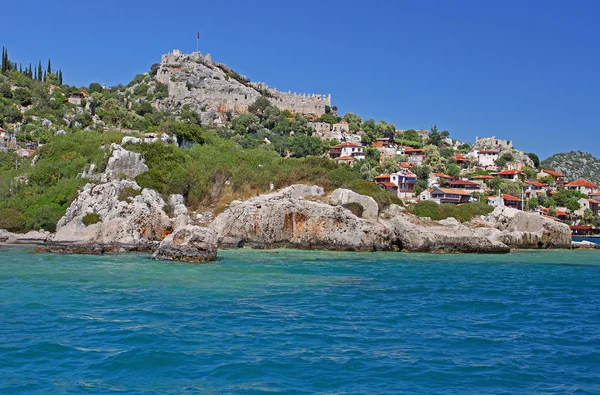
196,80
492,143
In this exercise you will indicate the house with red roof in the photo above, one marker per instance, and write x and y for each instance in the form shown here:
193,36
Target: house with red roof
401,183
414,155
460,159
450,195
559,178
561,213
512,175
584,204
487,157
352,150
436,179
535,188
77,98
348,160
583,186
505,200
466,185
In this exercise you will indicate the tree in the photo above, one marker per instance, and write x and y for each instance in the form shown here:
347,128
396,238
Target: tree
420,186
410,135
302,145
95,87
433,159
40,72
369,125
259,107
534,158
60,77
388,165
532,203
435,137
328,118
504,159
49,71
513,188
385,129
453,170
352,118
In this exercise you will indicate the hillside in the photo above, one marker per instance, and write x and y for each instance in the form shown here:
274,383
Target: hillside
574,165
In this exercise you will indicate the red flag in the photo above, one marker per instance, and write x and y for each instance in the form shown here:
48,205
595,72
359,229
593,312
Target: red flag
198,34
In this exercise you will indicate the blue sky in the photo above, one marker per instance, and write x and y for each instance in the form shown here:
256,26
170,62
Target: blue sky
522,70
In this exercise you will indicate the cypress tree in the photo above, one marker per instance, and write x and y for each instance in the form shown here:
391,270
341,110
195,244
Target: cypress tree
30,73
49,67
40,71
2,60
60,82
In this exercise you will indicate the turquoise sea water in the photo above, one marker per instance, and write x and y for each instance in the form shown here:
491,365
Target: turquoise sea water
300,322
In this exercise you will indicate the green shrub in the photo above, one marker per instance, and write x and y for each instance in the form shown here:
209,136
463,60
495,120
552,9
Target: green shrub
128,192
12,220
381,196
43,217
90,219
355,207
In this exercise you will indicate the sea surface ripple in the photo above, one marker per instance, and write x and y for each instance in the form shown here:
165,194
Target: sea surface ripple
300,322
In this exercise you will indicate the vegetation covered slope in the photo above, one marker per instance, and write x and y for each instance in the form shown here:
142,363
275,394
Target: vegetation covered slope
575,165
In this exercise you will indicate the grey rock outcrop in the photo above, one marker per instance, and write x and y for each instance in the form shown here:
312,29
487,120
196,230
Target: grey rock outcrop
285,219
189,244
138,222
526,230
123,162
585,245
31,237
342,197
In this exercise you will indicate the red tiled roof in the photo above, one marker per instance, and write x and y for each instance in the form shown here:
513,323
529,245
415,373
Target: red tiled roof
509,172
582,183
406,165
483,177
387,184
593,201
511,198
558,212
535,183
459,157
488,151
377,144
450,191
346,144
343,123
345,158
442,175
3,130
414,150
463,183
383,176
580,227
553,173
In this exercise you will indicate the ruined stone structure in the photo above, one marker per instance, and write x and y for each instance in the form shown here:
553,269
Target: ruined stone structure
492,143
197,81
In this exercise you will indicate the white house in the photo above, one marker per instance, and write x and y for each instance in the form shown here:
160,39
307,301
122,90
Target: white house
583,186
487,157
347,149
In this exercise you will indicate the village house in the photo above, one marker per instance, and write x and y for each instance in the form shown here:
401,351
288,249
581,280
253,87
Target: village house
320,128
460,160
77,98
535,188
483,180
465,185
346,160
401,183
449,195
487,157
436,179
347,149
425,195
559,178
561,213
583,186
341,127
414,155
512,175
592,204
505,200
385,147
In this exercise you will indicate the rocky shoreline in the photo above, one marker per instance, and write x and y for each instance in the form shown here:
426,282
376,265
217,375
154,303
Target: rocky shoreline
117,215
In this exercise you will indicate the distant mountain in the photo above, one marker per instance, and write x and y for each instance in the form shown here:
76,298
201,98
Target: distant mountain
574,165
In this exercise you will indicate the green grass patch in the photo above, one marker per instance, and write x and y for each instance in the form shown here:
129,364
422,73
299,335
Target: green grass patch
90,219
463,212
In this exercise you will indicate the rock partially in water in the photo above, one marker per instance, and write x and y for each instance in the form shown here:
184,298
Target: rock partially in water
584,245
189,244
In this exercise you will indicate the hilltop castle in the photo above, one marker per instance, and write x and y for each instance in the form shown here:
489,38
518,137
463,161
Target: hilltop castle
194,79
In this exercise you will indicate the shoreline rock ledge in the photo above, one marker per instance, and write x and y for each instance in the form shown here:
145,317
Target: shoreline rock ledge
189,244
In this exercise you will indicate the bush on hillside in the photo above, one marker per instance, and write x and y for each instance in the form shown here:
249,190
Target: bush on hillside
381,196
354,207
12,220
462,212
90,219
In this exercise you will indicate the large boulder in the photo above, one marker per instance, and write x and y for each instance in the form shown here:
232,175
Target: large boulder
190,244
287,219
343,197
519,229
123,163
117,212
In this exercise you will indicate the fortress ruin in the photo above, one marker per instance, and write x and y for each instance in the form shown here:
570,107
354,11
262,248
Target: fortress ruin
194,79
